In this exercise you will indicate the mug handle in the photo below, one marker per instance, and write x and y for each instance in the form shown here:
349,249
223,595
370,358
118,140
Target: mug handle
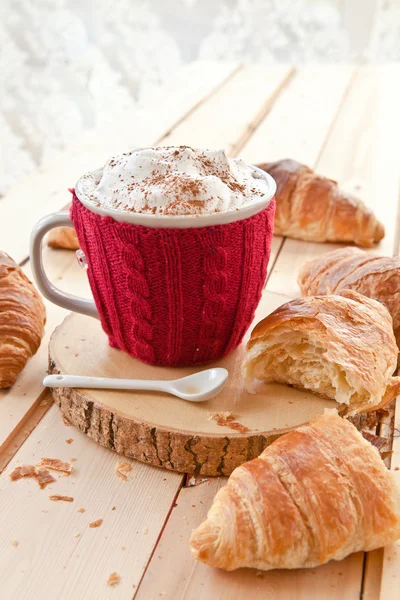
49,291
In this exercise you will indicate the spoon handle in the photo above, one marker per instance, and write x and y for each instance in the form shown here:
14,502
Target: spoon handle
106,383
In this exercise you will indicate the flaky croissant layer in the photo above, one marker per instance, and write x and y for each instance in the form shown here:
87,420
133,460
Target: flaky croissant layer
350,268
22,320
316,494
340,346
313,208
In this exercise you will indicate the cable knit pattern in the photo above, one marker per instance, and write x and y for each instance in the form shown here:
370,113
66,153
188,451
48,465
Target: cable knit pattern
216,288
173,264
140,332
251,286
175,296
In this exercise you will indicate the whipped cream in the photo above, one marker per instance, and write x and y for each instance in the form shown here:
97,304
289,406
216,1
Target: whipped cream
178,181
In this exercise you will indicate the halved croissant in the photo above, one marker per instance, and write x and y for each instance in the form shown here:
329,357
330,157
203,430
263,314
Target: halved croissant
314,495
22,319
338,346
313,208
377,277
63,237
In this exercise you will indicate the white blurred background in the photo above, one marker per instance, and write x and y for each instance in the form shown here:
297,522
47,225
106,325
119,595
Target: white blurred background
70,66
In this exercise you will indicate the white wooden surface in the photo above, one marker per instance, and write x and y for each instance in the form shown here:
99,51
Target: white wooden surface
50,559
360,152
341,120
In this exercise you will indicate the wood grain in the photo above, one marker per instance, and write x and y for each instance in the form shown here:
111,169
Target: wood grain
364,140
314,94
299,123
372,575
366,132
160,429
58,555
234,111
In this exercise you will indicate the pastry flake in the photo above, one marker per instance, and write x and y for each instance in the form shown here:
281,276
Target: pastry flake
123,468
113,579
338,346
96,524
57,498
56,465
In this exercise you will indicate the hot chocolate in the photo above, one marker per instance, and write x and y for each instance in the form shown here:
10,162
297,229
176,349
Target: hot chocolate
177,181
176,243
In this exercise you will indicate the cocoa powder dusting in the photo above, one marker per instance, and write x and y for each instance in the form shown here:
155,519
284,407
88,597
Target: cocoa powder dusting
186,194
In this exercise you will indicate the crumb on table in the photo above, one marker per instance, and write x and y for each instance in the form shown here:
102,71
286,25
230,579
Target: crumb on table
56,465
122,468
113,579
57,498
95,524
42,476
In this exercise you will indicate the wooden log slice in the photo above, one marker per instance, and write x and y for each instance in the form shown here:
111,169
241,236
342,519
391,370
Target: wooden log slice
160,429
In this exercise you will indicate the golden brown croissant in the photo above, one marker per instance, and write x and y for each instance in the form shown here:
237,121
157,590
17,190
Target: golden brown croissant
22,319
313,208
316,494
338,346
377,277
63,237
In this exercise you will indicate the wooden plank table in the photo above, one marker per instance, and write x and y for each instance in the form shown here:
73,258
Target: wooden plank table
343,121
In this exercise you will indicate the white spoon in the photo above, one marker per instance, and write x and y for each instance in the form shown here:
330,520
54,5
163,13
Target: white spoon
194,388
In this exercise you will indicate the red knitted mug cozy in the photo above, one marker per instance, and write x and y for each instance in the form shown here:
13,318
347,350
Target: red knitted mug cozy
175,296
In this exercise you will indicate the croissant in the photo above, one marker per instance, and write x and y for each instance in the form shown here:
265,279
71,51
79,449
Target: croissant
316,494
22,319
339,346
377,277
63,237
313,208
